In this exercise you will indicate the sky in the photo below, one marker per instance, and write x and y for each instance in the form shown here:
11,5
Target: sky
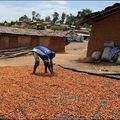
13,10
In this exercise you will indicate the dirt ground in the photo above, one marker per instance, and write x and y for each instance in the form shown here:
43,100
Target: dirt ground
67,95
73,57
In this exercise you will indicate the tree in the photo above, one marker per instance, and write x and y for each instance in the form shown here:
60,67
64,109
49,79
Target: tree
47,19
81,14
70,20
5,23
33,15
63,17
55,17
37,17
12,23
24,18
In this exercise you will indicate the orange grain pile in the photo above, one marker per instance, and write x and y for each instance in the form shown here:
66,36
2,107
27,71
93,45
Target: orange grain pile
66,95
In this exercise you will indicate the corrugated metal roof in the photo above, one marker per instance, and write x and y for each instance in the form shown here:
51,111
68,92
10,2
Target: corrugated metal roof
20,31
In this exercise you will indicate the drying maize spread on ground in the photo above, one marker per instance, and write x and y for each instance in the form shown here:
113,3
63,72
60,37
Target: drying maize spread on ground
66,95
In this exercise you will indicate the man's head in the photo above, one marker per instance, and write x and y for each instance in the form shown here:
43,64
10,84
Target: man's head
52,55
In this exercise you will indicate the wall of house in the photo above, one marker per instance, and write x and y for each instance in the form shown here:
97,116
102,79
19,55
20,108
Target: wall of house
8,41
4,41
35,41
57,44
13,41
45,41
24,41
107,29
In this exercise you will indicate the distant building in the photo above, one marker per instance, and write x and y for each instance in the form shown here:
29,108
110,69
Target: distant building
16,37
105,27
47,25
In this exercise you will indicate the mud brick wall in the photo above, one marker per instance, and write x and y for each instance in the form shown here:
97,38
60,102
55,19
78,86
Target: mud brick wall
9,41
4,41
45,41
57,44
35,41
13,41
107,29
24,41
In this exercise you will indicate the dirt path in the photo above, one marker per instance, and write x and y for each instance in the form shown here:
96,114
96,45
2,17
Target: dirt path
74,52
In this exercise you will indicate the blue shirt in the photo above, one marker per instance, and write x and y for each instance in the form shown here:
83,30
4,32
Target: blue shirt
42,50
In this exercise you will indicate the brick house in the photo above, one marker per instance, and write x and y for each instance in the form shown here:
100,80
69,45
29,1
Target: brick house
16,37
105,27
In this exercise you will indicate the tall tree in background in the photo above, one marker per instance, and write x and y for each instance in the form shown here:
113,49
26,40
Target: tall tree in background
70,20
37,17
81,14
55,17
12,23
63,17
33,15
47,19
24,18
5,23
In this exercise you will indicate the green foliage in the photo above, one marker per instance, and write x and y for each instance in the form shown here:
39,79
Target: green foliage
88,27
47,18
2,24
38,27
70,20
81,14
31,27
55,17
12,23
63,17
41,27
59,27
37,23
35,16
24,18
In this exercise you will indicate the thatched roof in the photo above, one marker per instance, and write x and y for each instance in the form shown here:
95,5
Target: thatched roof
108,11
32,32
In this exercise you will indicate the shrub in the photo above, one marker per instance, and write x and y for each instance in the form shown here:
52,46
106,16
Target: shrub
31,27
59,27
41,27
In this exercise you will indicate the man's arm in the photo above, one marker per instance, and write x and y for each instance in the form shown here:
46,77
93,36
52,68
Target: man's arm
51,64
47,65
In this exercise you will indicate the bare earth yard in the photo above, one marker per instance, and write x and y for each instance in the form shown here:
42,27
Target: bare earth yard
75,52
67,95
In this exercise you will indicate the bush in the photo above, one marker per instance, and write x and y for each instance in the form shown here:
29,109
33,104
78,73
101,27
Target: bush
59,27
41,27
31,27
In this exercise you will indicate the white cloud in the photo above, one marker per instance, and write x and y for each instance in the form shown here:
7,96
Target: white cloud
13,10
10,13
61,2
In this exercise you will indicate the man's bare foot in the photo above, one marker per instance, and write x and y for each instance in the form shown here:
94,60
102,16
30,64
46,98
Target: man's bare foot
33,73
46,73
52,73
